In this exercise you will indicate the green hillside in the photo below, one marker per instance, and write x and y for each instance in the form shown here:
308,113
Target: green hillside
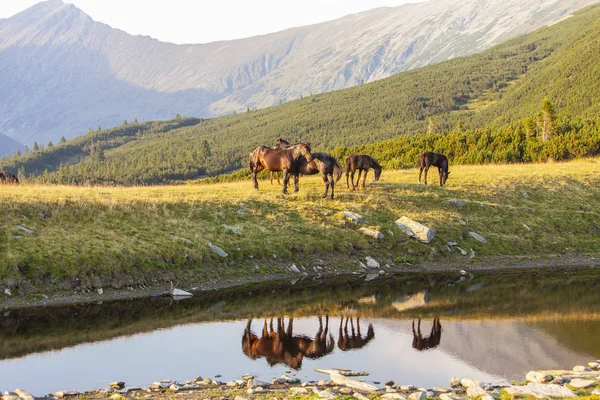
497,92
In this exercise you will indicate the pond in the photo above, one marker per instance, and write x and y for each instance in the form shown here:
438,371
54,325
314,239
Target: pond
419,329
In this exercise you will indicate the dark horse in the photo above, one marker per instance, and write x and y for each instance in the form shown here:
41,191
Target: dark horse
437,160
8,178
321,345
356,340
276,346
329,168
362,163
429,342
285,160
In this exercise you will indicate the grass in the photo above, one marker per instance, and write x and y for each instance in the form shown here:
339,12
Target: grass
95,235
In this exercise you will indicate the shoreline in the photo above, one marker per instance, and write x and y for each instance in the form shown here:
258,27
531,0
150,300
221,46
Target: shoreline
489,264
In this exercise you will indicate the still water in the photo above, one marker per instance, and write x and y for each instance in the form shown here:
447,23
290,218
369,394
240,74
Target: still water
415,329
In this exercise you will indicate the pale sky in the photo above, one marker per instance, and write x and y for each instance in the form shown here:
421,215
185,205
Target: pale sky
202,21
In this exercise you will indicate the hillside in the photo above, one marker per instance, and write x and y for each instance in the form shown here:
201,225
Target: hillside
62,72
505,83
8,146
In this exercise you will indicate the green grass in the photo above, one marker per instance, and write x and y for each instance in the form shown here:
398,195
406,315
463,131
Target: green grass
100,234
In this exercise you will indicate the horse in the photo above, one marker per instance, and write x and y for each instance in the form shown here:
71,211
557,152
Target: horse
329,168
428,159
356,340
277,347
6,178
279,144
361,163
285,160
421,343
321,345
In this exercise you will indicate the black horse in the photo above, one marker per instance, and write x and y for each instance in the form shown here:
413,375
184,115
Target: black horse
362,163
437,160
6,178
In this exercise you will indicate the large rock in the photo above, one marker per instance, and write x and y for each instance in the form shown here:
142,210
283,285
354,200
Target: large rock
582,383
254,383
371,262
541,390
415,230
418,396
475,391
374,233
393,396
468,383
539,377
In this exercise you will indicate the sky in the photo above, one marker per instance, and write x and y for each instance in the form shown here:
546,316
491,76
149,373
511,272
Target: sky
202,21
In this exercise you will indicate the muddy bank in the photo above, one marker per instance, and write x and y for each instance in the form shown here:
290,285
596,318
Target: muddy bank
23,294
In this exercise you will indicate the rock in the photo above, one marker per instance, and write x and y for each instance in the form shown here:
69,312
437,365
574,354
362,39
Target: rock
594,365
254,383
596,392
66,393
179,293
527,227
25,229
393,396
346,391
418,396
100,291
478,237
468,383
408,388
117,396
582,383
231,384
462,222
475,391
298,390
246,377
287,379
133,389
410,302
374,233
217,250
581,368
323,382
539,377
295,269
440,390
450,396
241,398
353,217
371,262
415,230
188,241
340,379
389,383
457,203
360,396
174,387
472,255
371,277
326,394
23,395
463,252
7,292
117,385
455,381
233,229
452,244
241,211
541,390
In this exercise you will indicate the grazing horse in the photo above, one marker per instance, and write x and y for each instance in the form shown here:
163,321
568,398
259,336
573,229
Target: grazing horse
437,160
356,340
321,345
424,343
277,347
285,160
329,168
362,163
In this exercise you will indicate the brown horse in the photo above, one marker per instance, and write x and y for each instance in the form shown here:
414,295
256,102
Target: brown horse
6,178
362,163
428,159
356,340
321,345
285,160
277,347
329,168
279,144
421,343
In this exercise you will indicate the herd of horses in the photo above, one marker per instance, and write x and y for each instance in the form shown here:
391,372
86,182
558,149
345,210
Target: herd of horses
6,178
297,159
281,346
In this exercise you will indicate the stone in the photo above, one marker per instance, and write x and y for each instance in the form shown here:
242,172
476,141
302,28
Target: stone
100,291
468,383
241,211
360,396
472,255
416,230
462,251
374,233
241,398
298,390
184,240
439,390
117,385
295,269
287,379
389,383
582,383
596,392
389,389
117,396
541,390
246,377
233,229
478,237
231,384
450,396
346,391
418,396
408,388
217,250
23,395
594,365
455,381
25,229
323,382
393,396
7,292
539,377
66,393
174,387
452,244
458,203
133,389
581,368
475,391
254,383
179,293
353,217
371,262
527,227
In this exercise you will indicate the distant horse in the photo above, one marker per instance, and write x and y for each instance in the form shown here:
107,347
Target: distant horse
277,347
429,342
356,340
437,160
6,178
321,345
362,163
285,160
329,168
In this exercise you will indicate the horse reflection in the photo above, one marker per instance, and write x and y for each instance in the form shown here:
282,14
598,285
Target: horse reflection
429,342
321,345
356,340
277,347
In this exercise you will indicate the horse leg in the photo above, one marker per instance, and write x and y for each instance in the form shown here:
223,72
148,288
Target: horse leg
420,173
440,174
296,187
265,332
365,178
286,180
326,180
271,176
278,181
254,172
358,180
332,184
426,171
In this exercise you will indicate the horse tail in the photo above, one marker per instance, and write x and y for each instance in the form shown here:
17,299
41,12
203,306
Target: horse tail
338,170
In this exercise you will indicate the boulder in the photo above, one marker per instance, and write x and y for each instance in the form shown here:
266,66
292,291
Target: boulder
581,368
538,377
254,383
393,396
353,217
594,365
478,237
475,391
415,230
117,385
582,383
374,233
23,395
371,262
418,396
541,390
217,250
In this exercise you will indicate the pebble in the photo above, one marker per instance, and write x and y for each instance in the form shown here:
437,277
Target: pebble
346,391
68,393
323,382
389,383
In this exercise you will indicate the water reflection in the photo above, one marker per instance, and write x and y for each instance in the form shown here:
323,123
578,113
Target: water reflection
421,343
355,340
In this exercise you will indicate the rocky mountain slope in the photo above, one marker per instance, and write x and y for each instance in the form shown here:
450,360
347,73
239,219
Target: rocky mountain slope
8,146
62,72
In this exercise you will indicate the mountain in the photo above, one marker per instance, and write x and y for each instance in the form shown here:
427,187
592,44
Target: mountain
8,146
62,73
503,85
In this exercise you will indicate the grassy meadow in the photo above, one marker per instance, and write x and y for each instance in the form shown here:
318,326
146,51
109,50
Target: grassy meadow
102,236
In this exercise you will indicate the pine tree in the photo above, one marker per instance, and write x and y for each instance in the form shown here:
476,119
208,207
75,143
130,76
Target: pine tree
63,140
36,146
50,144
548,119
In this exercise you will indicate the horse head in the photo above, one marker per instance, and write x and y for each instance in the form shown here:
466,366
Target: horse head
281,144
445,176
377,172
305,151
